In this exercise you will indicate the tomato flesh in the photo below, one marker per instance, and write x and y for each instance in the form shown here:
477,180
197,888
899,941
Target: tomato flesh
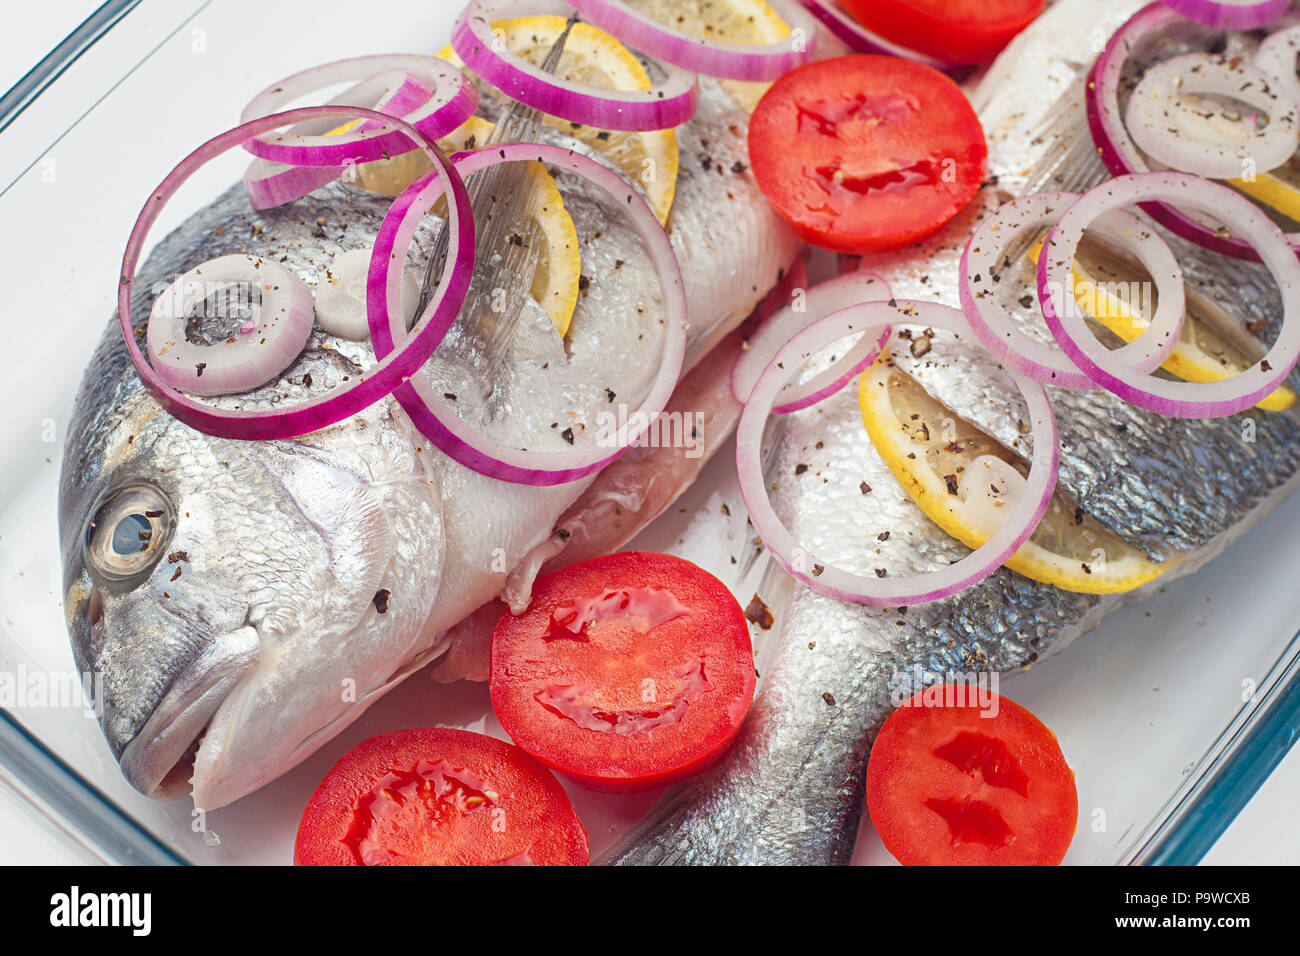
626,672
866,153
954,31
967,785
439,798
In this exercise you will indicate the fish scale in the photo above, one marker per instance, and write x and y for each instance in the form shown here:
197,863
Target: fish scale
791,790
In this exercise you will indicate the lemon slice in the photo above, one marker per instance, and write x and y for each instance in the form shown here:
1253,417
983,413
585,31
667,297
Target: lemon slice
966,482
556,283
1201,355
594,58
1272,191
753,22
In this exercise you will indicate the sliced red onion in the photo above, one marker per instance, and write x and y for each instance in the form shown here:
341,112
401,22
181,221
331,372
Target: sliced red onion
867,319
280,306
430,94
731,61
816,303
341,299
271,184
984,261
1117,149
1174,398
1190,139
435,418
859,39
1231,14
664,105
373,384
1277,57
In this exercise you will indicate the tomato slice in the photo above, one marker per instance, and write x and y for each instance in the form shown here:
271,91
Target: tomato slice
954,31
866,153
984,784
439,798
626,672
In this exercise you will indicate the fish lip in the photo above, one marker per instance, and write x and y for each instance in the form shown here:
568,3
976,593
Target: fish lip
182,715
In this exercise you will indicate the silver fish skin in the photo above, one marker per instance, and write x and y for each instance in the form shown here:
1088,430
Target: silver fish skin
303,579
791,789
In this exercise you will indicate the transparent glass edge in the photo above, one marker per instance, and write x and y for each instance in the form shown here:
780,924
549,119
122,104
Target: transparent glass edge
1228,774
72,803
53,65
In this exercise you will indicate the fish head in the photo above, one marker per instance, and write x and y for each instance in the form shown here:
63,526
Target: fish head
224,593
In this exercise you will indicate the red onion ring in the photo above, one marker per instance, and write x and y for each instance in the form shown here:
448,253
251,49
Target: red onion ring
373,384
430,94
859,39
1231,14
1003,338
1173,398
819,301
883,592
1277,57
730,61
1153,113
271,184
1116,148
435,419
250,358
671,103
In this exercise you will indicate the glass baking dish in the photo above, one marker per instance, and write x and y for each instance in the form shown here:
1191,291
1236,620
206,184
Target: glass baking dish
1172,713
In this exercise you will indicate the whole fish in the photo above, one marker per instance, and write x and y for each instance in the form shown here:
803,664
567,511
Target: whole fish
300,580
791,789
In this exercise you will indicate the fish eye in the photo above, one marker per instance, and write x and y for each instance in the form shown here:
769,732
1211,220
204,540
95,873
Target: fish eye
128,532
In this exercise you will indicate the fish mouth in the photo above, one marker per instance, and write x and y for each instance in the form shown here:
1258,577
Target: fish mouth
159,759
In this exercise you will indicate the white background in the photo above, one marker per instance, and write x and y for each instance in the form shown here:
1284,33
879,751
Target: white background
1264,833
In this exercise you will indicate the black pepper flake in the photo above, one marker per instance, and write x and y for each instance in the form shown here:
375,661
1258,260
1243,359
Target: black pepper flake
800,469
1086,569
1026,301
449,396
177,556
153,514
564,534
920,346
1078,516
757,612
177,574
738,167
1265,367
817,570
883,536
951,482
583,283
567,435
864,488
609,394
829,698
381,600
199,369
306,380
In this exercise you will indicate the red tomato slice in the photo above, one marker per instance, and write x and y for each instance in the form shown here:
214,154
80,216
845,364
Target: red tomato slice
963,785
439,797
954,31
626,672
866,153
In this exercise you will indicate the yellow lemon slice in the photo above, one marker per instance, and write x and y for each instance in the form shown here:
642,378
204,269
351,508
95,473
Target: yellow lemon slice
1201,355
1272,191
753,22
965,481
594,58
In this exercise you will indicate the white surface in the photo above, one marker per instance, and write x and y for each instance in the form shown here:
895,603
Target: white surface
1263,833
